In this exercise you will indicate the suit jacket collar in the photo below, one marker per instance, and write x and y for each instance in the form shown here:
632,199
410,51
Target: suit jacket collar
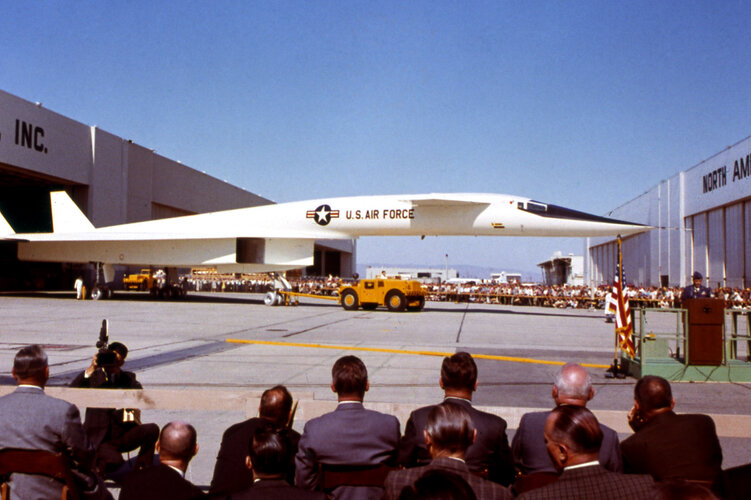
349,405
459,401
592,470
660,419
270,483
449,463
29,389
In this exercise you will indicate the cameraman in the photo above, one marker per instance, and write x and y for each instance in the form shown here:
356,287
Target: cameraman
115,431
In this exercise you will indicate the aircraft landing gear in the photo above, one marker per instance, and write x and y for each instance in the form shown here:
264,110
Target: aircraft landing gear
105,275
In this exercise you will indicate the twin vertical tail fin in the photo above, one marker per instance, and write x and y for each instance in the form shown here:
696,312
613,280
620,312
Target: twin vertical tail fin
66,216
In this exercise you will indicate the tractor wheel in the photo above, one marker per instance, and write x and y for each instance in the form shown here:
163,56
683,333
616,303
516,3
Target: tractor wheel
419,306
349,300
395,301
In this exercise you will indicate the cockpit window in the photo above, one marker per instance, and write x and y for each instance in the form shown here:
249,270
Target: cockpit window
536,207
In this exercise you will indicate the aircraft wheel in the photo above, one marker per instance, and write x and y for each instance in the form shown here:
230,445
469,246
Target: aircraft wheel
395,301
270,299
97,293
349,300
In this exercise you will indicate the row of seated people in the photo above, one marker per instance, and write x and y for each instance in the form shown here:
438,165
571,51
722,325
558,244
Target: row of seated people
564,453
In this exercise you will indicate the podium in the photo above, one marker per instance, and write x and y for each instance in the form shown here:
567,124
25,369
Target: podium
706,319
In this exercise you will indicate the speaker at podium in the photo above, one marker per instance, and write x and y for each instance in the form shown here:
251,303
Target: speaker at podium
706,318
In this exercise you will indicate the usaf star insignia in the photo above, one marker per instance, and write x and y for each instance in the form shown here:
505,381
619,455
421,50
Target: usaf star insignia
322,215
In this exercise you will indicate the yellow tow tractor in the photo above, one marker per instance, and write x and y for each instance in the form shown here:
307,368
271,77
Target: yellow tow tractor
396,295
141,281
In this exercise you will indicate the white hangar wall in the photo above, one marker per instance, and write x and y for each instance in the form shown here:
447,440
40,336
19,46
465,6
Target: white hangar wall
112,179
703,223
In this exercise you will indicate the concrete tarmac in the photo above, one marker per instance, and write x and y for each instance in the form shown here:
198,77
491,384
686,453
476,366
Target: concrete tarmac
182,345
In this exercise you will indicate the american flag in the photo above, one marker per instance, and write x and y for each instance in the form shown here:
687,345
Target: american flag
619,306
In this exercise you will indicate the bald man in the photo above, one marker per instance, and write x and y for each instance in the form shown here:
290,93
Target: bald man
573,387
177,445
573,438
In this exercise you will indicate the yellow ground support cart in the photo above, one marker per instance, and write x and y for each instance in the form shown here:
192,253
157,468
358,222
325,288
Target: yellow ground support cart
396,295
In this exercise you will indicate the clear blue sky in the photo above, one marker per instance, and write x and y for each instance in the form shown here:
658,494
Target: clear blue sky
582,104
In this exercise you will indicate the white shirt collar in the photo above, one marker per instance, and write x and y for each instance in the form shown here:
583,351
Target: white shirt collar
460,399
579,466
33,386
181,472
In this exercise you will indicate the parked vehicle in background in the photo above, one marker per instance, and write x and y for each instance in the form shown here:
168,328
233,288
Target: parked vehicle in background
144,280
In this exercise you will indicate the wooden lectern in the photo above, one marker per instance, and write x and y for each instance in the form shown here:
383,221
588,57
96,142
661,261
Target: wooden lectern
706,318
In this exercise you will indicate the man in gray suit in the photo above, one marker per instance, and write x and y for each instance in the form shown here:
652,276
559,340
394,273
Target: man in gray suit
572,386
29,419
350,435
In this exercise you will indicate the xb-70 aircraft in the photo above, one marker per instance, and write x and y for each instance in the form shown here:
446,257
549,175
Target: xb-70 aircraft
280,237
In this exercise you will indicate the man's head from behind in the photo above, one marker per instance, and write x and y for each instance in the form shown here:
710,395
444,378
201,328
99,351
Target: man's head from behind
276,405
178,444
572,386
449,430
652,395
349,378
30,366
572,436
459,374
268,451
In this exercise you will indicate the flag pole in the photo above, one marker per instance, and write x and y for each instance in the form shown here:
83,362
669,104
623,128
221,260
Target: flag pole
615,368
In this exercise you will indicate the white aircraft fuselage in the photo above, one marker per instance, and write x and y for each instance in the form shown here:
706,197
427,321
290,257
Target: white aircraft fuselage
281,236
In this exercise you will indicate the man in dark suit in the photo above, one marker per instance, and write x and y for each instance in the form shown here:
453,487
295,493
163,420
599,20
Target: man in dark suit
30,419
349,435
489,455
573,438
448,433
572,386
267,457
666,445
115,431
230,473
177,446
696,290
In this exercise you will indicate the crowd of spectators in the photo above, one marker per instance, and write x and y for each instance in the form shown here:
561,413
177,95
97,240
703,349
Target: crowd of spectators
448,450
573,297
558,296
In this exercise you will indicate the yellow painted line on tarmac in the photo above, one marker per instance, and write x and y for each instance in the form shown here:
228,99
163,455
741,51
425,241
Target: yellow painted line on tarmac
413,353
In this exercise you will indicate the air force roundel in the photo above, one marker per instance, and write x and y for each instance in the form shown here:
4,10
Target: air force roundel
322,215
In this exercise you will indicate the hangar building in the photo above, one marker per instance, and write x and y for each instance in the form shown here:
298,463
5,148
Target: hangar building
112,180
703,221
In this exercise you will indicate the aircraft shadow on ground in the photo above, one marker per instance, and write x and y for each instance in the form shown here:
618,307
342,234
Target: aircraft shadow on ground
151,361
145,297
